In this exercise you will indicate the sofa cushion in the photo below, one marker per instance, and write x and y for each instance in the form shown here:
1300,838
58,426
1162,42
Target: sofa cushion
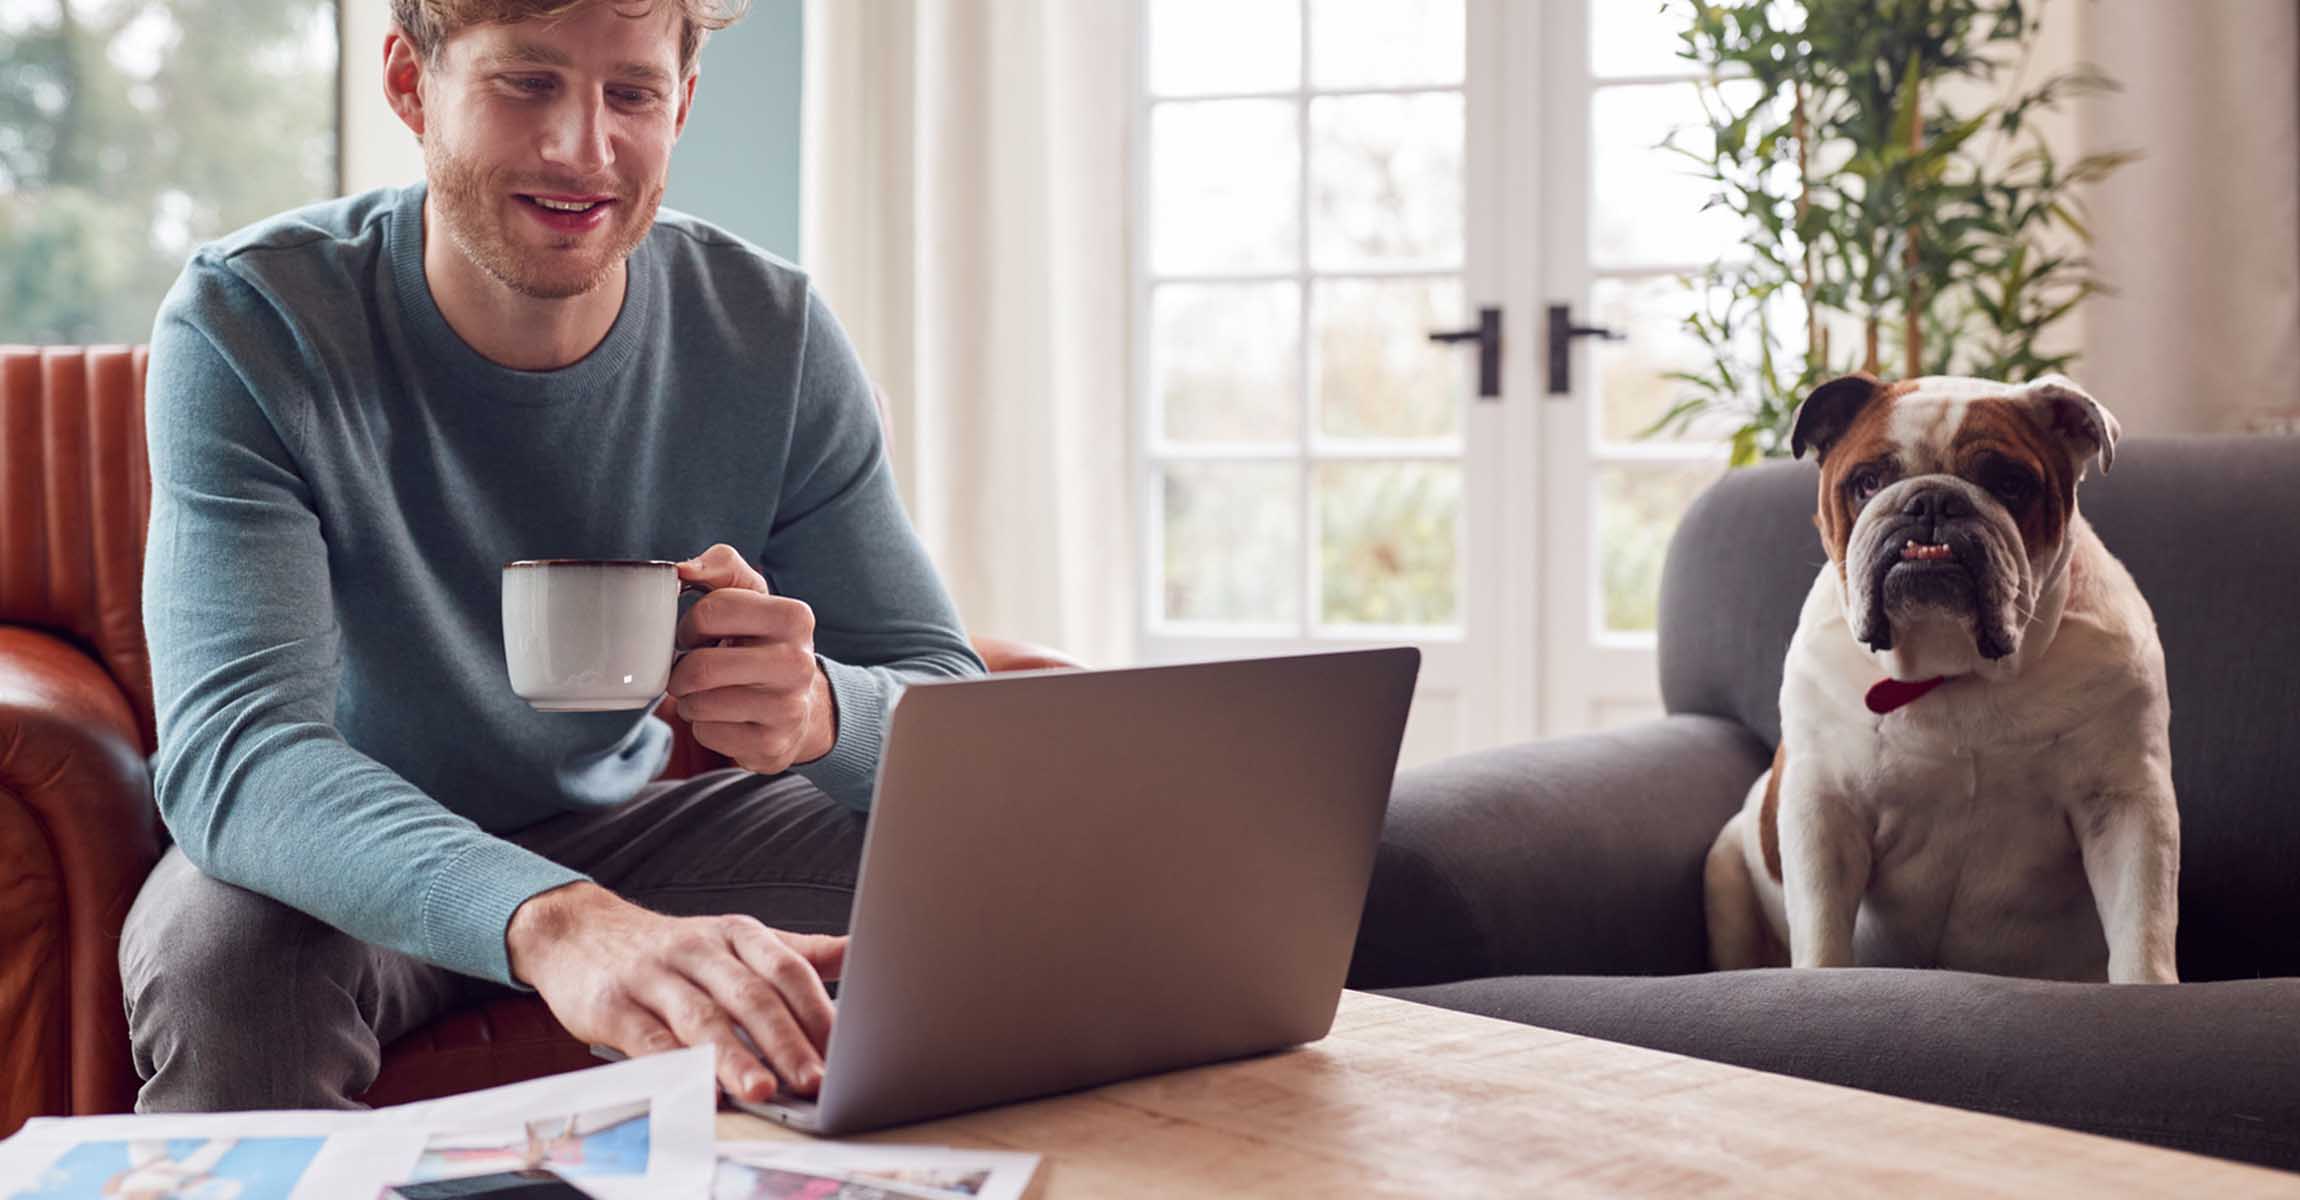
2203,1067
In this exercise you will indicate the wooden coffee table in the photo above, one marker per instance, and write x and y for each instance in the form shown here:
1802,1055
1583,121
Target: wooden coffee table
1406,1100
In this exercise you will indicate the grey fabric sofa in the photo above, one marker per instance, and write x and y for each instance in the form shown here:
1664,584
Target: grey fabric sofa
1559,883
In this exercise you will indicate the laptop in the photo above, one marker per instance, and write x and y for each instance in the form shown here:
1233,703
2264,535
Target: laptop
1076,877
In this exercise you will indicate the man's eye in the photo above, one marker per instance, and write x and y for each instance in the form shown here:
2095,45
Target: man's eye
629,96
530,84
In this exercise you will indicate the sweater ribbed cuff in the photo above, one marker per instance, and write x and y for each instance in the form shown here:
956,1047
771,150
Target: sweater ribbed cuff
849,773
468,909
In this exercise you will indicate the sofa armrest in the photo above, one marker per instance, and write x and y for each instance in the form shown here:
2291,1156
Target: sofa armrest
78,833
1577,855
1005,654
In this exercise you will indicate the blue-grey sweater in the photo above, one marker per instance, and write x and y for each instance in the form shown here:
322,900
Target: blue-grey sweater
338,480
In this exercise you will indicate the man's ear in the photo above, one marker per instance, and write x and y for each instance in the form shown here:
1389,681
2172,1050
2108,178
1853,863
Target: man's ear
2082,424
403,80
686,102
1829,411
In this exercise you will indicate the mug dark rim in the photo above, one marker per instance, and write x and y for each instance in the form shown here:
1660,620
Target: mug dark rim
590,562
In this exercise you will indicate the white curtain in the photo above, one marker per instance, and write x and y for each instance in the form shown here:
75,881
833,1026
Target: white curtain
2201,237
966,184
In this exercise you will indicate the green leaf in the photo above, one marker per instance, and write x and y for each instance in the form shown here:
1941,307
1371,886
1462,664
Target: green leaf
1679,416
1906,99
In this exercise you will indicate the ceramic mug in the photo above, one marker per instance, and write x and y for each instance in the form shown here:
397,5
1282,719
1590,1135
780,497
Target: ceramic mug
591,634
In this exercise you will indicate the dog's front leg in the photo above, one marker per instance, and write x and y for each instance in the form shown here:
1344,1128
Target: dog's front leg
2131,844
1824,873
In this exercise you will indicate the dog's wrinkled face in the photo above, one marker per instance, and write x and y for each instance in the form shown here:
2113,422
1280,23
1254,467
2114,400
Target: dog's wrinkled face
1945,505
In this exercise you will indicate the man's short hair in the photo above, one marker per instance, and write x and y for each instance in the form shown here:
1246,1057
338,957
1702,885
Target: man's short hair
429,23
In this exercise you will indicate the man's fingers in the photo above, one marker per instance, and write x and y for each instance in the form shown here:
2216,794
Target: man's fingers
758,1005
785,662
754,617
722,566
742,742
769,953
778,707
636,1032
695,1018
826,954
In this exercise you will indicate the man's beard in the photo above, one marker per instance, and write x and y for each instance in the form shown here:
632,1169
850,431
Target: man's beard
470,206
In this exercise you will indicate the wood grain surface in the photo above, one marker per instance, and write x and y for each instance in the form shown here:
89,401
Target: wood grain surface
1406,1100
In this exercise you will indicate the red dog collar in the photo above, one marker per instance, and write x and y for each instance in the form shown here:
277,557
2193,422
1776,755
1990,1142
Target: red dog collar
1890,694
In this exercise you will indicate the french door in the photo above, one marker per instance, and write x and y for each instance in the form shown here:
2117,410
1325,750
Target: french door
1406,288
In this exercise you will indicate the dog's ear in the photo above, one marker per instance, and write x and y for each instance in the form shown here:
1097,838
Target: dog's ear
2069,413
1829,411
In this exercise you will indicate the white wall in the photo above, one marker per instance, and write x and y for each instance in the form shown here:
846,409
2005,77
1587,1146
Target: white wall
2201,237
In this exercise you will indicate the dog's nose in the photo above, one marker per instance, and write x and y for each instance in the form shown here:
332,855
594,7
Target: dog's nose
1937,504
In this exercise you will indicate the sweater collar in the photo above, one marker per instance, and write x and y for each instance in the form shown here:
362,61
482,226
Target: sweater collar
443,349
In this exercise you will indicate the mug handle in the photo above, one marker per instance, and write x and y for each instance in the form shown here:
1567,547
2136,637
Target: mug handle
686,586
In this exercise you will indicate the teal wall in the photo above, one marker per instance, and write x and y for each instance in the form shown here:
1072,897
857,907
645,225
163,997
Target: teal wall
737,164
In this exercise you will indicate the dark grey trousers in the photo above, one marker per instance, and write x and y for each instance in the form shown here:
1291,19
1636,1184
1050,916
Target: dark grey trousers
237,1001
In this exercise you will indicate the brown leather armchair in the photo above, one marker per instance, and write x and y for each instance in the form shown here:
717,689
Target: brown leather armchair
78,830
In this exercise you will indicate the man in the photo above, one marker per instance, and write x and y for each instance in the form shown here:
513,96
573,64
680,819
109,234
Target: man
357,413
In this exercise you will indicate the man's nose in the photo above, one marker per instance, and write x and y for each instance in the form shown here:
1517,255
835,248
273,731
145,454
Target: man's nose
576,137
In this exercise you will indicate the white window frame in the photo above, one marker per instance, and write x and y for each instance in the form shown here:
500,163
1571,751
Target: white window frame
1160,640
1603,451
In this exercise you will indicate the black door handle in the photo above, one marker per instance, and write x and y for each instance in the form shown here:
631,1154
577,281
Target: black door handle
1487,335
1562,331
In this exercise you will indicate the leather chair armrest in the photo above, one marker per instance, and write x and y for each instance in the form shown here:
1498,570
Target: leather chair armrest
1577,855
1005,654
78,833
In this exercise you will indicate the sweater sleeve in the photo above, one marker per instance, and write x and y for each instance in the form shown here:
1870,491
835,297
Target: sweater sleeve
251,775
842,543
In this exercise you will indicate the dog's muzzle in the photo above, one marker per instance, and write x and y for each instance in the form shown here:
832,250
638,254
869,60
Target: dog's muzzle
1934,550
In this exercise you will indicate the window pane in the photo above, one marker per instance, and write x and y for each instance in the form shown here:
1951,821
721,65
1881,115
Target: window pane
1632,391
1638,37
1379,375
1389,539
1385,43
1201,46
1224,177
1386,181
1232,549
126,139
1227,357
1647,205
1637,509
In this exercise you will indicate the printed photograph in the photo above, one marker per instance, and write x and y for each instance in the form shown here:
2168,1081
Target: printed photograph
177,1169
745,1181
599,1141
936,1181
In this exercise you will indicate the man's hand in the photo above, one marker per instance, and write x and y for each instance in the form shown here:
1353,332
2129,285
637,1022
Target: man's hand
619,975
757,697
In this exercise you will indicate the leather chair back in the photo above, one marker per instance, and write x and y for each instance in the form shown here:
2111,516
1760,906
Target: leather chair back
75,497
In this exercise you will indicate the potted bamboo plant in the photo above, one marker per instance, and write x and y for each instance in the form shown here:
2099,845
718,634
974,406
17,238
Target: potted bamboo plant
1903,212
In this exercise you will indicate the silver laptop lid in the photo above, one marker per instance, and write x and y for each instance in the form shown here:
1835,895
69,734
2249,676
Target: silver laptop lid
1076,877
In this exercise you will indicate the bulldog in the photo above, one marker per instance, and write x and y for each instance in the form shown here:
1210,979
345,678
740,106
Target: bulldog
1975,769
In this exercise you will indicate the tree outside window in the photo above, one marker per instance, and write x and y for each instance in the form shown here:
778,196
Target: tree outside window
133,130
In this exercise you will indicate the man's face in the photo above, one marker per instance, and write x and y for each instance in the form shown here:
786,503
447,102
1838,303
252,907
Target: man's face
547,142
